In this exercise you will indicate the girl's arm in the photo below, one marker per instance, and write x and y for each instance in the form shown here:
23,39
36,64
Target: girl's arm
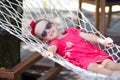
94,38
51,51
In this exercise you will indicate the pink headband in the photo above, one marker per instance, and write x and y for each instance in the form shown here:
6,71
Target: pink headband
32,25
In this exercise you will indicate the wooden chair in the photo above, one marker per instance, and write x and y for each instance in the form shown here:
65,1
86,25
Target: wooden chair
13,73
101,4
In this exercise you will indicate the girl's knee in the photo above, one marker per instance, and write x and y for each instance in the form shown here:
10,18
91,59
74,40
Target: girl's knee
98,68
94,67
106,62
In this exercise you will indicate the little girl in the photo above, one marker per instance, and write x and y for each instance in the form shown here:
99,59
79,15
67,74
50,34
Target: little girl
76,47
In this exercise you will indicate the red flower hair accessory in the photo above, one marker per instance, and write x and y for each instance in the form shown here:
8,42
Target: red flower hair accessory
32,25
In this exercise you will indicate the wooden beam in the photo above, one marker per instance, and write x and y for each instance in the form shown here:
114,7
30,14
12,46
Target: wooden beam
21,67
51,73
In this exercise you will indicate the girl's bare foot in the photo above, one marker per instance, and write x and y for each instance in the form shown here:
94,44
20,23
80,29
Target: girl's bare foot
116,73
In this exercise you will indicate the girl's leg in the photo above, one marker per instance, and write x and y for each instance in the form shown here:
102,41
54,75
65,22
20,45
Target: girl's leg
98,68
111,64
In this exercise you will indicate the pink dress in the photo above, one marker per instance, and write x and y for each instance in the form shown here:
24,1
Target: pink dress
78,51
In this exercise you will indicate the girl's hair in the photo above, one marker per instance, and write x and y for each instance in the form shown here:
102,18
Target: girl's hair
42,20
37,23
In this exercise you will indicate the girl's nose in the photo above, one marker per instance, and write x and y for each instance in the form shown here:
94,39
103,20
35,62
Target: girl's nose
47,30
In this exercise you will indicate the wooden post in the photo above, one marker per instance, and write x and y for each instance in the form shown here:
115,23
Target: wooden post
102,17
97,17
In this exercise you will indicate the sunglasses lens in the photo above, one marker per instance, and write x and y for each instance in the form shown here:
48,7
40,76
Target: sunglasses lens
48,26
44,33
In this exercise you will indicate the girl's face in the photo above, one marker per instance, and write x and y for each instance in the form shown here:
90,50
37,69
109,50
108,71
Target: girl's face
46,30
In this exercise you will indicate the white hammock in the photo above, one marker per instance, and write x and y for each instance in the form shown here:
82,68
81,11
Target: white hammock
60,12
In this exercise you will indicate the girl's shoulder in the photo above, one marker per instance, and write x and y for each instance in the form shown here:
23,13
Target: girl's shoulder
73,29
55,42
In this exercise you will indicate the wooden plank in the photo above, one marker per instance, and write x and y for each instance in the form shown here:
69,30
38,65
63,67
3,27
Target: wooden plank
51,73
6,73
21,67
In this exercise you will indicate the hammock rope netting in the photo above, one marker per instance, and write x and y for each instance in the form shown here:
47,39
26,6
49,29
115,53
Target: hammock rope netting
60,12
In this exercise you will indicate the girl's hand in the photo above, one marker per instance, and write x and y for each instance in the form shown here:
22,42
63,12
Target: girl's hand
48,54
108,42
